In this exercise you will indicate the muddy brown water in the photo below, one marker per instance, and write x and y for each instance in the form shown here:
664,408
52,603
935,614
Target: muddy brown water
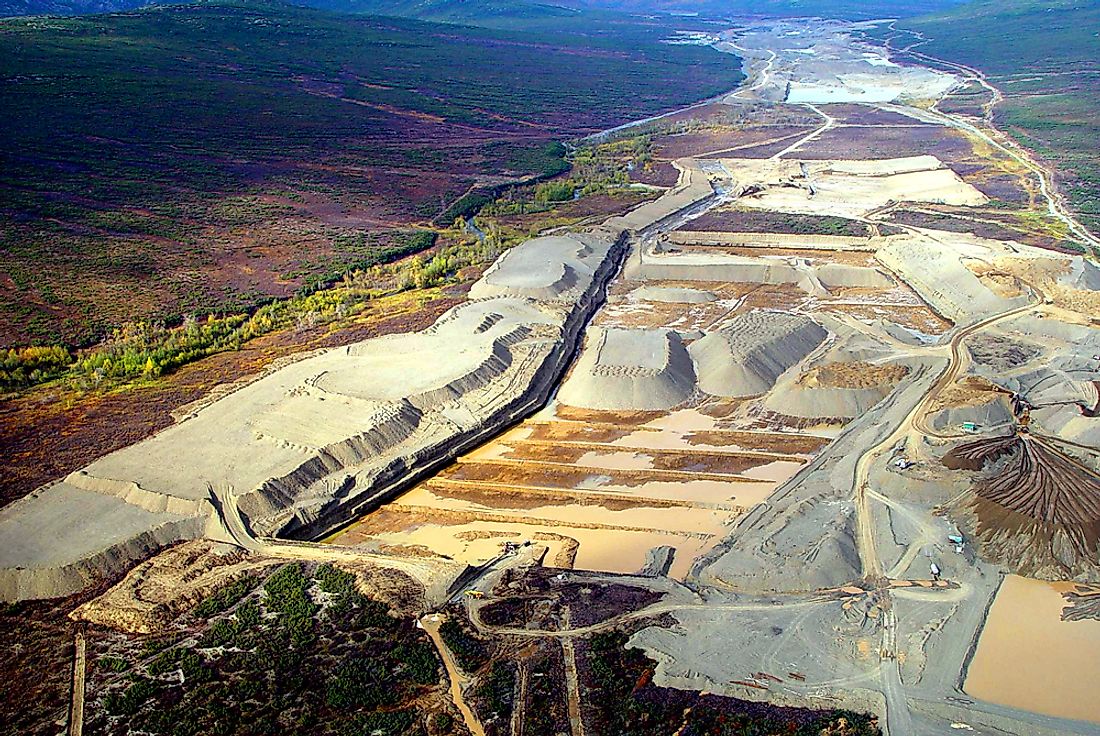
613,537
1029,658
610,550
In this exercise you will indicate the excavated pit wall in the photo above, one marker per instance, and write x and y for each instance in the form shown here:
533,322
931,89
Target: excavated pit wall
405,471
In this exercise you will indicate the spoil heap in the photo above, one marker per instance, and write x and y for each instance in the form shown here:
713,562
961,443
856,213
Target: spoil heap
638,370
1032,507
752,350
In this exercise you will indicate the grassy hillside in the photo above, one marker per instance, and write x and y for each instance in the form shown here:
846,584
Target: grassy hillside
1045,58
209,157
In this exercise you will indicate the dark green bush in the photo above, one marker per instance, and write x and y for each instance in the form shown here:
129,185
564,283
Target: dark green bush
360,683
470,652
227,597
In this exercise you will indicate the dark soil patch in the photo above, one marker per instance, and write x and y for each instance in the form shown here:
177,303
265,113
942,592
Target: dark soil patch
717,141
588,603
864,143
755,221
36,661
994,230
865,115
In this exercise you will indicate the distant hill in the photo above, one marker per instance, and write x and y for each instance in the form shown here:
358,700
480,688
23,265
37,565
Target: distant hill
846,9
507,12
1044,56
461,11
66,7
493,11
1004,36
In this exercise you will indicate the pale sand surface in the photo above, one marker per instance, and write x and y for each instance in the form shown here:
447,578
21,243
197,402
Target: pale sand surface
1025,645
777,471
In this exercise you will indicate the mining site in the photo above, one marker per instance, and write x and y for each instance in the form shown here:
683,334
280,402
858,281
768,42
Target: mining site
815,427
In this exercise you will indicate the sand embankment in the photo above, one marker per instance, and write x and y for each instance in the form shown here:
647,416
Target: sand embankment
849,189
692,190
772,240
717,267
936,271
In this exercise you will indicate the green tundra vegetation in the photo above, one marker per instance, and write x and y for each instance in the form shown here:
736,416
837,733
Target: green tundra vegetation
596,168
146,350
1042,56
303,653
197,158
141,351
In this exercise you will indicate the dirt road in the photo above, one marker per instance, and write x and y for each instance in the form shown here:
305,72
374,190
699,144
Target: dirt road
430,624
80,668
572,681
999,139
829,122
956,364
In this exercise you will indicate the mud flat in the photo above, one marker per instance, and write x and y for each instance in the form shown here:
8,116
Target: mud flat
1025,643
607,550
603,494
302,448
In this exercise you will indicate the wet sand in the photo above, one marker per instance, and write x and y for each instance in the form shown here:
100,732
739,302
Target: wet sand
641,516
776,472
1029,658
609,550
704,491
604,485
616,460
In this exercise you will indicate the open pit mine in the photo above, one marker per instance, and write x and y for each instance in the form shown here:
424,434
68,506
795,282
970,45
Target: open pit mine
852,470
